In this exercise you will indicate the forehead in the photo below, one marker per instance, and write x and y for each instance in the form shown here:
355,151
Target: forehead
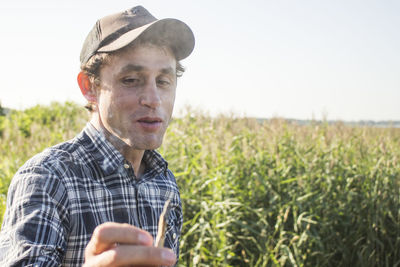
147,54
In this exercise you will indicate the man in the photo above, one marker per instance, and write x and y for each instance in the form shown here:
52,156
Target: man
96,199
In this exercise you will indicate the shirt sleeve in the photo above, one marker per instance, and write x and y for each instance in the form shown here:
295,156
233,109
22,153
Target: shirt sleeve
35,223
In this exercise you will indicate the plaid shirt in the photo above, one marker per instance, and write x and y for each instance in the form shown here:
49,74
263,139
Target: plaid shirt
58,197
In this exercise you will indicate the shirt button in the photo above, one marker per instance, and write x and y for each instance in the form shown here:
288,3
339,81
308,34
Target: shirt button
126,166
174,236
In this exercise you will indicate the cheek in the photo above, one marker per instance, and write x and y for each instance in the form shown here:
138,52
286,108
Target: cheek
108,106
169,101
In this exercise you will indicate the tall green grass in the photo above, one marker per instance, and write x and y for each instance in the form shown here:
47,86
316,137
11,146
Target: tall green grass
258,194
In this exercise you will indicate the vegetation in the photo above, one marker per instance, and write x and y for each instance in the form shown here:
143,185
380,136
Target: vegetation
257,194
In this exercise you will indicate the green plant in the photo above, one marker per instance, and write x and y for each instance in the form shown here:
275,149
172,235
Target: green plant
255,193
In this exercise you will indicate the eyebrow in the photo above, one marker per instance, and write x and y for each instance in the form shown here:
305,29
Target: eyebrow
133,67
168,70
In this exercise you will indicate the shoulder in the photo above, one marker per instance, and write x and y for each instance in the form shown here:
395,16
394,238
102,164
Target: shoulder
48,168
170,175
53,159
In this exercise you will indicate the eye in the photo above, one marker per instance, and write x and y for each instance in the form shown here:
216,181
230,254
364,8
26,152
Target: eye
130,81
163,82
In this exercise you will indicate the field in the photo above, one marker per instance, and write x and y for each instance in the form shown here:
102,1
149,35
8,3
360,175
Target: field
257,194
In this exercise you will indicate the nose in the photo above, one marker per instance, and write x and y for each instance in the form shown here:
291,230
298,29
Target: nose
150,95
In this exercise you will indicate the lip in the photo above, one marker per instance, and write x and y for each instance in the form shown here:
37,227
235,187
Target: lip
150,124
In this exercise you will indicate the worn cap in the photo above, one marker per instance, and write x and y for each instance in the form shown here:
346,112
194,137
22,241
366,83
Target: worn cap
118,30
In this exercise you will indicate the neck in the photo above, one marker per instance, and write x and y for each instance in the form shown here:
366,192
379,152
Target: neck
134,156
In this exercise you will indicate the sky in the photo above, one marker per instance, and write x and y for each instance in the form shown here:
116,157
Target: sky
311,59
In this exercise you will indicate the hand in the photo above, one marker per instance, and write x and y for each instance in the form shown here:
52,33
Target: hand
115,244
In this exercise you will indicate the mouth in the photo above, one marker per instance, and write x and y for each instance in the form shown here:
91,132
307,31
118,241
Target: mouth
150,120
150,123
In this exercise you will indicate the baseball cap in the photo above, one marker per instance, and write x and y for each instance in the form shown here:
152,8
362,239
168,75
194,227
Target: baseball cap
116,31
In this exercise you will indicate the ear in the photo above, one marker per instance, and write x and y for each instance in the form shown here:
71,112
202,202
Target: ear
86,88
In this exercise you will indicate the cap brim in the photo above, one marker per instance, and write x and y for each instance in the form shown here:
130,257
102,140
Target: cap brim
174,32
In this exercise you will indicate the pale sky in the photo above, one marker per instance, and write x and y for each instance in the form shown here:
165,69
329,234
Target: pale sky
262,58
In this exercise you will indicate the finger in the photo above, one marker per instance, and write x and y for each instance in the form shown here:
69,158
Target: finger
125,255
108,234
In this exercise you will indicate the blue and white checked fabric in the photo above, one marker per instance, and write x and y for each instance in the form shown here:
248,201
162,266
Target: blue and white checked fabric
58,197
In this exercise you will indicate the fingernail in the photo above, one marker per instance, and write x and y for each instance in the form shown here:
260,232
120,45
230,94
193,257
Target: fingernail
168,255
143,238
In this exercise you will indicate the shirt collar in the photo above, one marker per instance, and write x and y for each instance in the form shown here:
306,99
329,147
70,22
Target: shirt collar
110,159
154,161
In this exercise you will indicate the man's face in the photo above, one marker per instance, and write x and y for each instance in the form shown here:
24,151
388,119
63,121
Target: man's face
136,95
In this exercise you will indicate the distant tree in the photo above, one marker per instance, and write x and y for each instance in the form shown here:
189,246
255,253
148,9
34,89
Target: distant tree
2,111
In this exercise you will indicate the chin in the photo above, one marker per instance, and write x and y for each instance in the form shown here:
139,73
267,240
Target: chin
154,146
147,144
